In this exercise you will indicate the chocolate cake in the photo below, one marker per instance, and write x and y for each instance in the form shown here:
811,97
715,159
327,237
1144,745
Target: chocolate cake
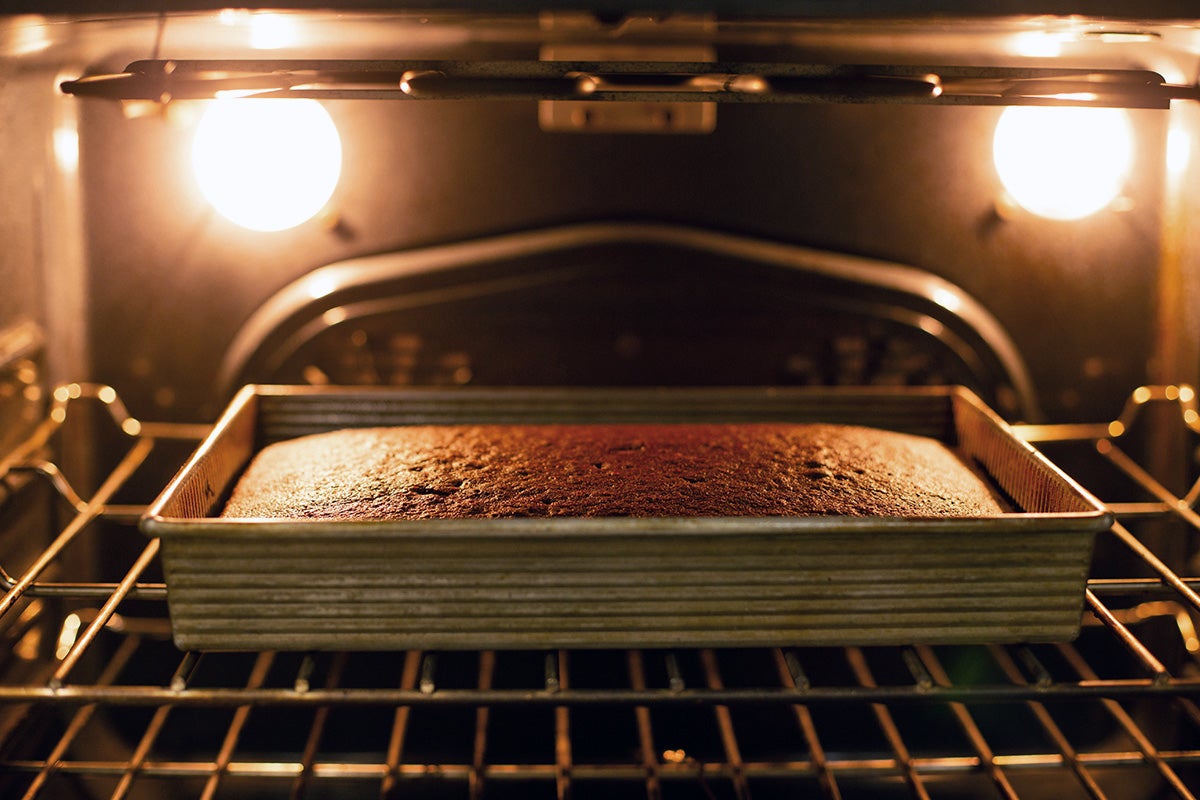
597,470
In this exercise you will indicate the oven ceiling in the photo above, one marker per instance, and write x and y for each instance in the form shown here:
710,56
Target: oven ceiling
1121,9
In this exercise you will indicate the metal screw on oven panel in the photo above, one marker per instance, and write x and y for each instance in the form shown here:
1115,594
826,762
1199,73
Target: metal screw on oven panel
583,117
335,222
1005,208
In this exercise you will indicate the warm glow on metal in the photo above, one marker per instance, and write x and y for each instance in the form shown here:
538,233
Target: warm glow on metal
1179,150
66,148
28,34
267,165
1061,162
947,299
67,635
320,285
1083,97
266,30
273,31
1040,44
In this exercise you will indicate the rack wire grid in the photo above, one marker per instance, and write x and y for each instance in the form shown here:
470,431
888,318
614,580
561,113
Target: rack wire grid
97,702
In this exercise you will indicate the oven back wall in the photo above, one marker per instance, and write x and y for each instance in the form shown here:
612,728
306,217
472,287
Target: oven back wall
171,281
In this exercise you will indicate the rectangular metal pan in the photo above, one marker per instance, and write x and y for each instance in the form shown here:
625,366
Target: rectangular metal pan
622,582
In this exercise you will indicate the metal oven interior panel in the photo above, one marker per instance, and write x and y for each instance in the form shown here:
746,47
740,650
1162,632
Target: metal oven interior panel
801,178
901,183
115,272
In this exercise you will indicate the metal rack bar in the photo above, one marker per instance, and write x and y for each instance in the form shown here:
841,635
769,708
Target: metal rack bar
395,748
106,612
372,772
87,514
138,759
1143,478
225,697
1168,576
1154,587
258,676
1134,645
649,758
904,761
163,81
1024,681
479,765
792,676
81,718
1127,723
320,717
562,728
724,720
986,757
1069,756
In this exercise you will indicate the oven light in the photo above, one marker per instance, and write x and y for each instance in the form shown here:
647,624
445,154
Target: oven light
266,30
1040,44
267,165
1061,162
272,31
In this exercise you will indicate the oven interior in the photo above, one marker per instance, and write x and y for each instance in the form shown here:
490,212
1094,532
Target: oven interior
842,227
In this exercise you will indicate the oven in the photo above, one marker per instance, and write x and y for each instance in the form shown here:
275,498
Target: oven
535,199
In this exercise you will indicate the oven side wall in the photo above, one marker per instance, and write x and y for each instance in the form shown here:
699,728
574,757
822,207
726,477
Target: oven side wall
43,260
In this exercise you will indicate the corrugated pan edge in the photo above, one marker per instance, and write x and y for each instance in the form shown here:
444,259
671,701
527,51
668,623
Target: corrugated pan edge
619,582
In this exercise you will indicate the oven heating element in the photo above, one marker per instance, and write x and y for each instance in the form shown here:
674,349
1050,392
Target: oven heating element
1111,713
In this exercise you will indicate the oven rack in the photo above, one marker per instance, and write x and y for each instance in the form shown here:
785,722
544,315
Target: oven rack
1116,710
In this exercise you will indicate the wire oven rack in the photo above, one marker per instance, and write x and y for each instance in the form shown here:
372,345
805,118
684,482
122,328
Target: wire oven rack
97,702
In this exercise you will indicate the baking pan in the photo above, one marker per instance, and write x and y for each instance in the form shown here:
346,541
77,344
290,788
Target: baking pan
622,582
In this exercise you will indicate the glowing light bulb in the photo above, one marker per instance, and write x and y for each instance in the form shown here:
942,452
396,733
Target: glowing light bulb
1061,162
267,165
1039,44
272,31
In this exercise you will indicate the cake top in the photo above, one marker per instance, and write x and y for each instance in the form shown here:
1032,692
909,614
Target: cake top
605,470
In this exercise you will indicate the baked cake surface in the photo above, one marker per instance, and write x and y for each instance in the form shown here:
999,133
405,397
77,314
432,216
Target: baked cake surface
596,470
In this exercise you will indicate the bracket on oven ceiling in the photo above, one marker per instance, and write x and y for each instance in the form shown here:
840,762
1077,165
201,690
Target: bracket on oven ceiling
739,82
